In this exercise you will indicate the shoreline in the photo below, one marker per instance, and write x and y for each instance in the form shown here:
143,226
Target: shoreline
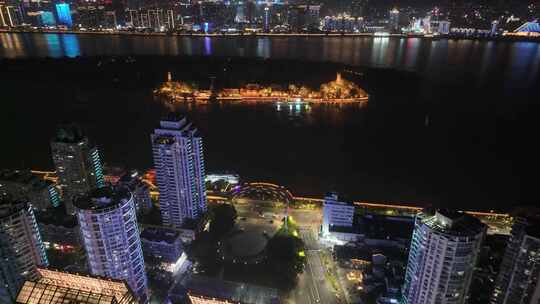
507,38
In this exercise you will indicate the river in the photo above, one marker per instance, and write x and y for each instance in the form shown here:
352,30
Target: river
463,137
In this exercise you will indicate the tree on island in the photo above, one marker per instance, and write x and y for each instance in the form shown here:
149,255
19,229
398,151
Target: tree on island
286,259
222,221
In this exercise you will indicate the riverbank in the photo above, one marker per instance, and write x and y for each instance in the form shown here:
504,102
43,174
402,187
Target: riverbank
505,38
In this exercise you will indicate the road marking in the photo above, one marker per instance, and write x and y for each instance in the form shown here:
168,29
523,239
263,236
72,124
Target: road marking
318,299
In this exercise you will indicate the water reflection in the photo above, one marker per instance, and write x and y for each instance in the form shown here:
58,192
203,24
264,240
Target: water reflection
439,59
207,46
71,45
53,44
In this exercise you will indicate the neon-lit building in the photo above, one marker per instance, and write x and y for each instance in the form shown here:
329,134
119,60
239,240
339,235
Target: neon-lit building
47,19
64,287
21,248
77,163
444,249
64,14
110,236
180,174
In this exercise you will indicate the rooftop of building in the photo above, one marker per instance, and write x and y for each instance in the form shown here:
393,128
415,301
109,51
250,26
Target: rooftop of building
387,227
451,222
160,234
103,198
63,287
24,177
176,122
226,290
69,133
335,198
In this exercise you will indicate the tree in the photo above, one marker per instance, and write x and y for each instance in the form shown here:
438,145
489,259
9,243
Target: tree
223,220
204,251
286,259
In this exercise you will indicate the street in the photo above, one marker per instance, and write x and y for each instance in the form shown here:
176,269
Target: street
313,285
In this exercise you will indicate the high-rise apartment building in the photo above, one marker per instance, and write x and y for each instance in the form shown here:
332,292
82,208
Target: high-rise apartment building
444,250
21,248
180,175
110,236
519,276
78,164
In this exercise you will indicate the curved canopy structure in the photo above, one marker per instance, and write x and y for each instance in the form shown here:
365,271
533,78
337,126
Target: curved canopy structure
262,191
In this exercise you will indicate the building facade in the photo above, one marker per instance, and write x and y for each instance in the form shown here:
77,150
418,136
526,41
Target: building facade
21,248
164,247
77,163
336,214
180,174
444,249
110,236
519,275
140,191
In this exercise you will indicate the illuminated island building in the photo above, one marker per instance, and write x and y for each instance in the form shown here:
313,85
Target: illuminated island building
110,236
180,174
444,249
21,248
339,91
77,163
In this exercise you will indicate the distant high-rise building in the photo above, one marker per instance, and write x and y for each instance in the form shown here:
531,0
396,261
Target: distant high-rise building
266,23
519,276
444,249
394,20
110,236
358,8
21,247
180,174
63,12
78,164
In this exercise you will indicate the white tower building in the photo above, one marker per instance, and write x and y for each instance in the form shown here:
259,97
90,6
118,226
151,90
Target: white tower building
110,235
180,175
444,250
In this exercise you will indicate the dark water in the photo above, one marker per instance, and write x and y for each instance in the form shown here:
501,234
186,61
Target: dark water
518,62
477,151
